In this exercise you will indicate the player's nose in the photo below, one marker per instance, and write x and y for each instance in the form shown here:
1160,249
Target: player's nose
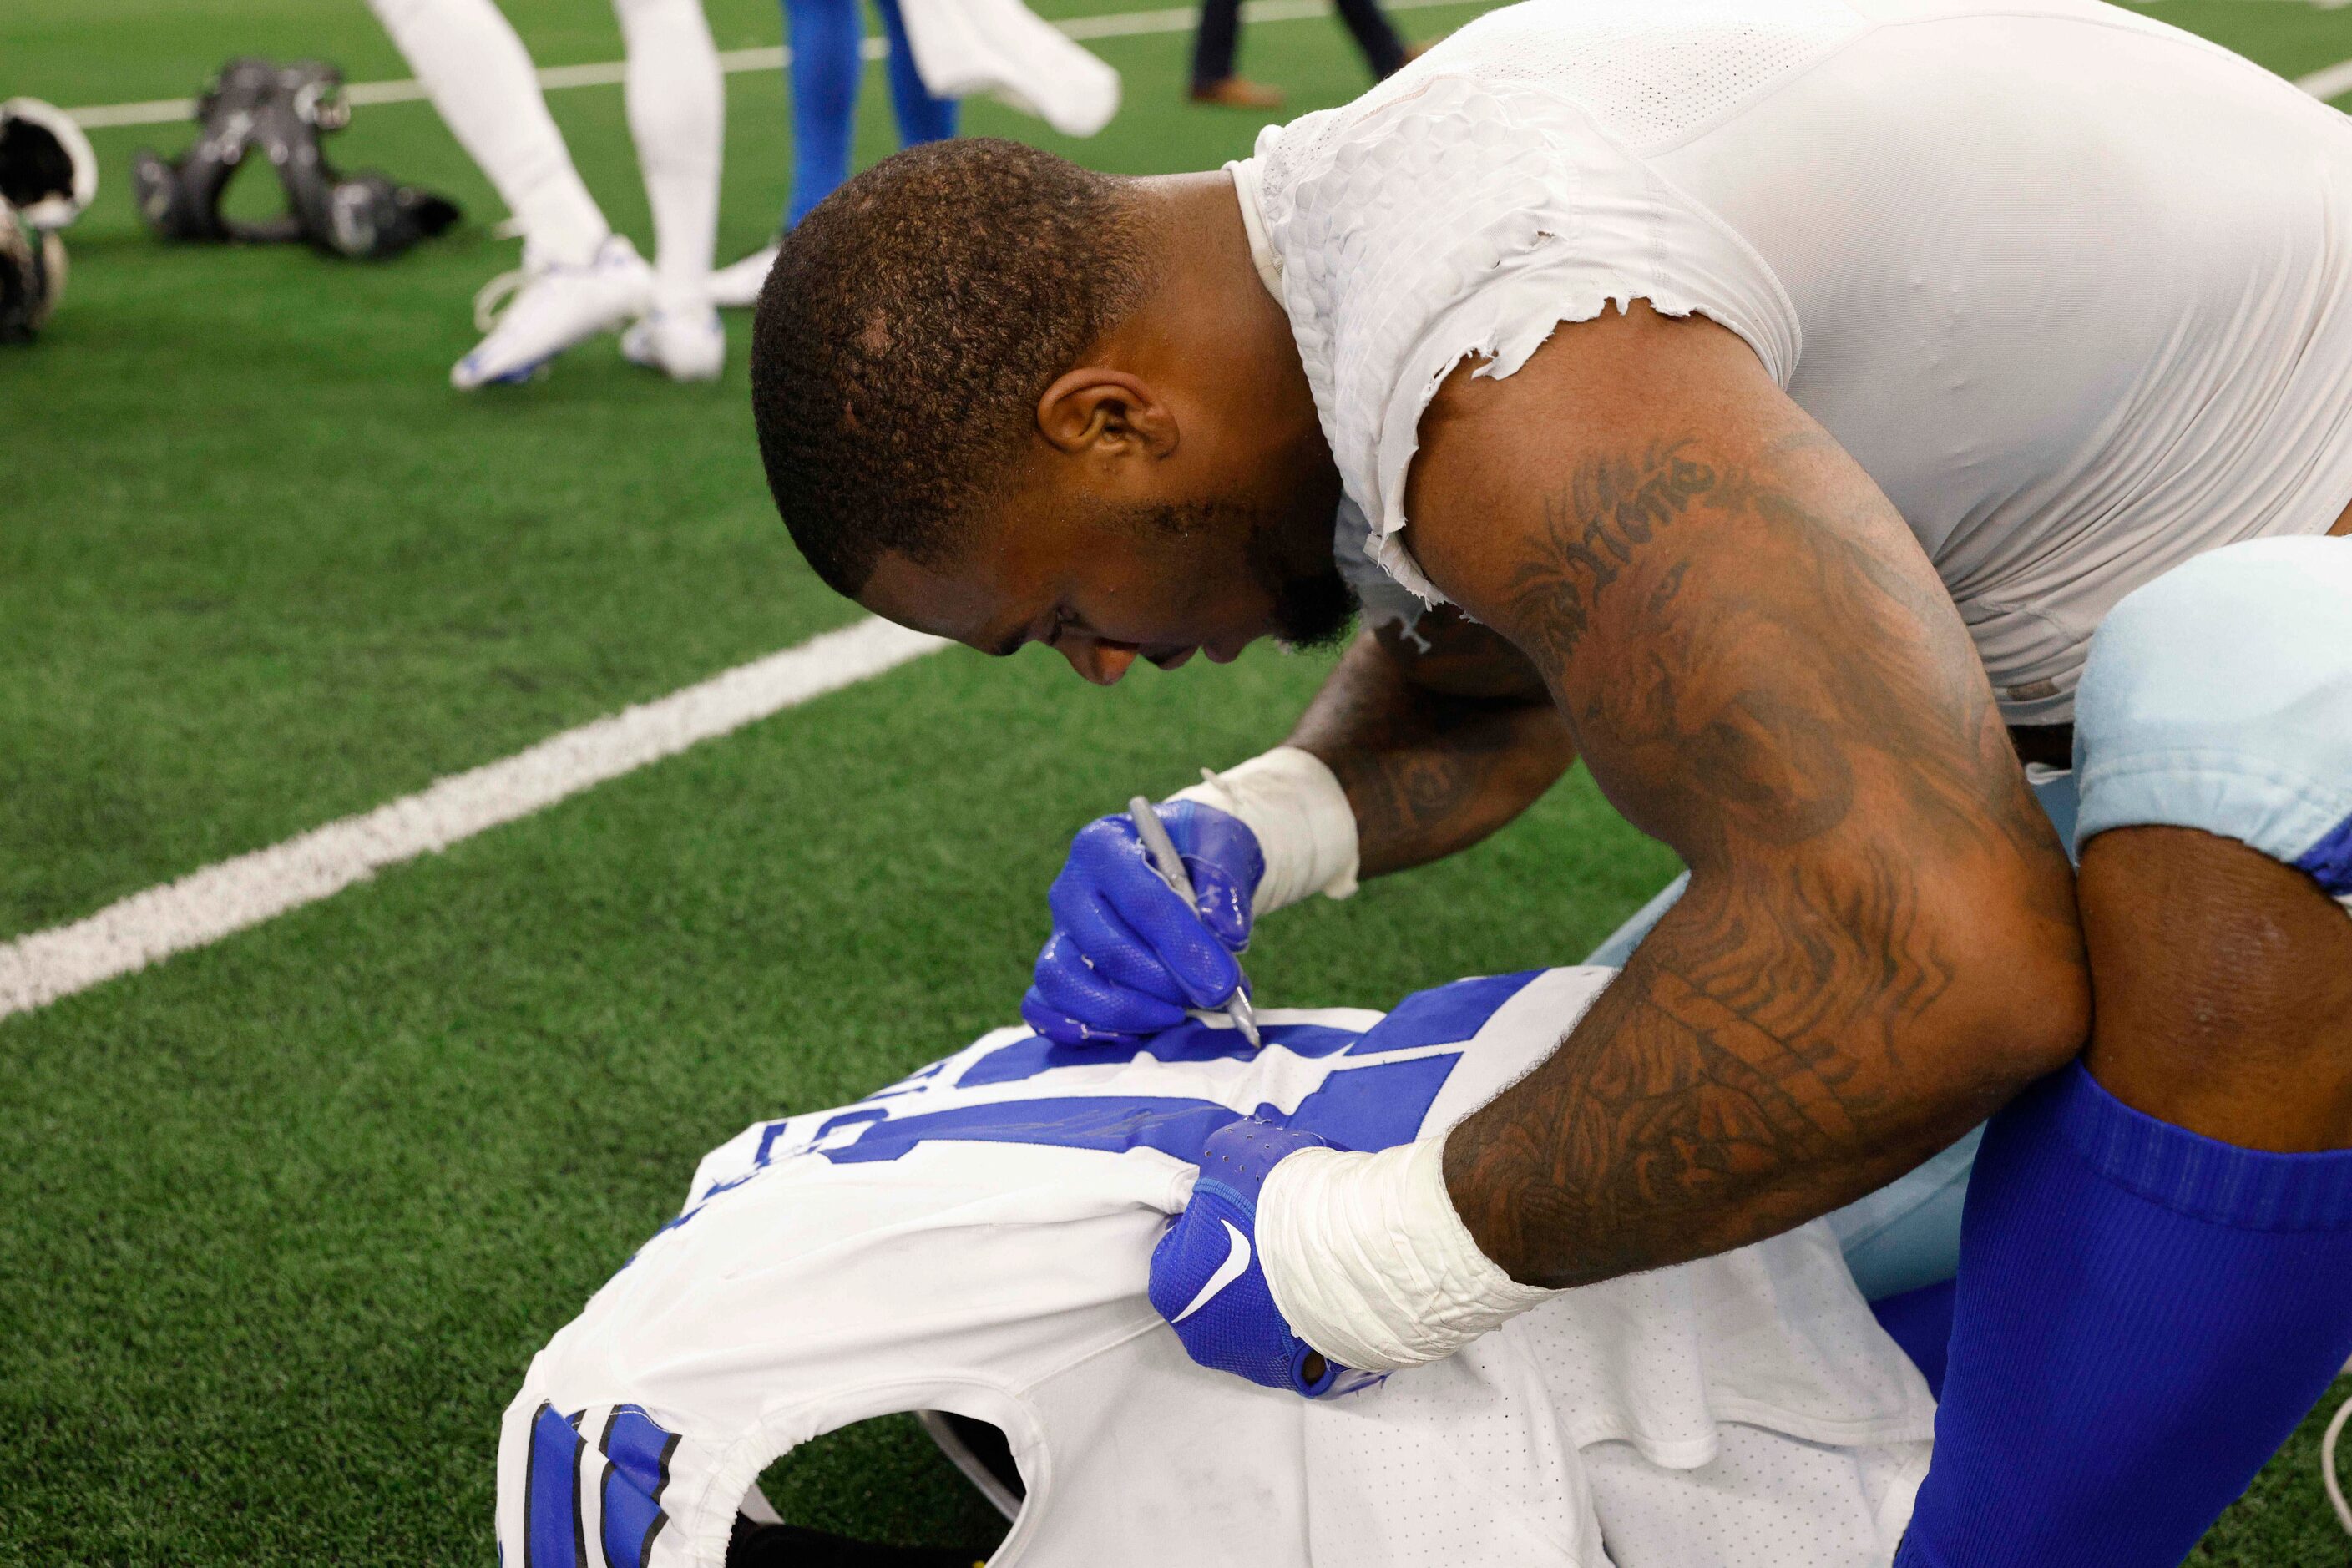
1100,662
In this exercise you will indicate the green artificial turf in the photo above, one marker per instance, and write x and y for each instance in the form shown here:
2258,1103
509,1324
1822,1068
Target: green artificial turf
281,1221
272,570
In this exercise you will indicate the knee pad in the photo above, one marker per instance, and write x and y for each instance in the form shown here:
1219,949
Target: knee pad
2219,696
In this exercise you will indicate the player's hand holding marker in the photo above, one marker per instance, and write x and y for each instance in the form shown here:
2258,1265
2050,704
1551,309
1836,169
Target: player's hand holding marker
1131,954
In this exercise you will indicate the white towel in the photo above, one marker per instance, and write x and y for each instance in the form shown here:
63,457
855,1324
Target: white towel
964,47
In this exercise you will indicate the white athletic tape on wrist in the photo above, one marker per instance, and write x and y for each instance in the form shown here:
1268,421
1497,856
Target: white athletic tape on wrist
1371,1264
1305,827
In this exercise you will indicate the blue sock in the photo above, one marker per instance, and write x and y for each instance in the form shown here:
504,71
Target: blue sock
921,117
2142,1316
824,37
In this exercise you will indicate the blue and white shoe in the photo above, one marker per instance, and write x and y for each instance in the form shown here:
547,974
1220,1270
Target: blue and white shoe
536,312
1206,1278
736,287
684,343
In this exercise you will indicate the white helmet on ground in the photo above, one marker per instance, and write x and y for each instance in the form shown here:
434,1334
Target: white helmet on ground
32,275
47,171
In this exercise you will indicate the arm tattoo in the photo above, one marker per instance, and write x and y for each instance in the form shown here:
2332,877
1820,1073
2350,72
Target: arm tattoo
1444,788
1606,514
1748,1069
1429,771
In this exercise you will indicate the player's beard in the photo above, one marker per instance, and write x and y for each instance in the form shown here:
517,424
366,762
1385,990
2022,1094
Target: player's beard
1313,611
1313,606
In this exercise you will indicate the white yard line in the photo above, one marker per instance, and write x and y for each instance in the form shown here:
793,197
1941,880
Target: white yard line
1114,25
2332,83
220,900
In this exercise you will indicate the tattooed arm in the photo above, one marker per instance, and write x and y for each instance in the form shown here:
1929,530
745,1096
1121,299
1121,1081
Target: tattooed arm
1747,646
1439,738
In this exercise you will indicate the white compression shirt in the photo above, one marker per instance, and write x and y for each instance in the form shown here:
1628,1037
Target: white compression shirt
976,1239
2073,287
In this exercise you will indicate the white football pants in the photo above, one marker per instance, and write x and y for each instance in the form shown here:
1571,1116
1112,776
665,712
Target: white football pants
480,78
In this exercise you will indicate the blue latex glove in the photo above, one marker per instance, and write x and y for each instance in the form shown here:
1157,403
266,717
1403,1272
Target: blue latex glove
1128,956
1207,1279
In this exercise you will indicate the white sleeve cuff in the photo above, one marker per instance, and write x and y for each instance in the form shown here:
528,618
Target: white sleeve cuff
1370,1264
1304,825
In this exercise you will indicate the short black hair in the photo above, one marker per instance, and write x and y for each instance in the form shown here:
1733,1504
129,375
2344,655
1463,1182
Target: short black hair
909,327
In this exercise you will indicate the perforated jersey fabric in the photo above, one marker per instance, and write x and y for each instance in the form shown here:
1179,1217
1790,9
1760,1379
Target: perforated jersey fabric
976,1239
1763,1494
2073,287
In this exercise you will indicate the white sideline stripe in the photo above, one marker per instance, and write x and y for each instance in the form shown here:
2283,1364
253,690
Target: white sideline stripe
2331,83
1115,24
223,899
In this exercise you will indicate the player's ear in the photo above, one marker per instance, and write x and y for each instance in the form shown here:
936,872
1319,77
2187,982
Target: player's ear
1093,408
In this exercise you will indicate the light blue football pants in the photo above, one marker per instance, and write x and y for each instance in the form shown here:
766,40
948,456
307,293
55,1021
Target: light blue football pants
2217,696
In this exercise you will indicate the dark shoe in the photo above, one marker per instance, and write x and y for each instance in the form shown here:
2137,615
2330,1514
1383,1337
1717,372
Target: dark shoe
1237,92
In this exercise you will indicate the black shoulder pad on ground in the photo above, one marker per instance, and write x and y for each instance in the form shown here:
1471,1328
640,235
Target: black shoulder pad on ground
283,113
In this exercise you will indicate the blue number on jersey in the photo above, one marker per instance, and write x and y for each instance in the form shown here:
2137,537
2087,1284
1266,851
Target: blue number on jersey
1442,1014
1191,1041
1360,1108
555,1531
1373,1107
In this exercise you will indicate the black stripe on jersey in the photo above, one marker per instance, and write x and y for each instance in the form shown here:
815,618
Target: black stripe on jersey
661,1515
531,1482
579,1519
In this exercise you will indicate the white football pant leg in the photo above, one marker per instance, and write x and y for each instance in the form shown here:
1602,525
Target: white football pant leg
2219,698
676,105
479,77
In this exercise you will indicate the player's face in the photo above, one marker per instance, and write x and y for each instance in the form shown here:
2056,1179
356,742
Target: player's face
1106,585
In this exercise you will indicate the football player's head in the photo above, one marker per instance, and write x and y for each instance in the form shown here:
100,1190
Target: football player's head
1009,400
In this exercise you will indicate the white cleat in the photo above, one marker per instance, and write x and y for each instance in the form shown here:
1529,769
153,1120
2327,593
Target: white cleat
737,288
686,344
550,306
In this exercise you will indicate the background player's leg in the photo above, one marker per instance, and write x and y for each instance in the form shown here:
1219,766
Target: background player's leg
480,78
677,101
1215,41
825,37
2156,1271
1383,51
923,116
578,278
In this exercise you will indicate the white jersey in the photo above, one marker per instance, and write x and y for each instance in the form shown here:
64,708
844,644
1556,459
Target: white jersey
2073,287
977,1238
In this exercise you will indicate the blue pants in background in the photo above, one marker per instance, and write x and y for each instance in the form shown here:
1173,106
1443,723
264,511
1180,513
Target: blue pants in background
828,40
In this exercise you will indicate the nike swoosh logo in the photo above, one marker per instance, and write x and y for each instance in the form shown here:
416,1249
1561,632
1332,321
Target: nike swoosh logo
1237,1264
